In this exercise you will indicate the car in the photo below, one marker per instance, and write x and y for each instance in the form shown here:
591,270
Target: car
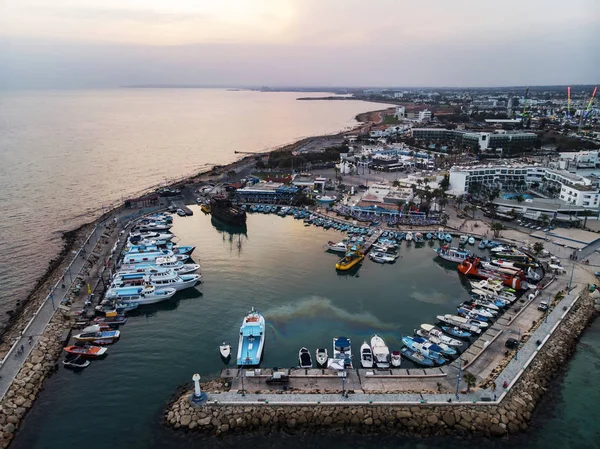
538,228
512,343
543,306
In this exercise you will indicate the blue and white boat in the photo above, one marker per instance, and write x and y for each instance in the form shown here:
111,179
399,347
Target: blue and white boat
448,237
416,356
467,313
92,336
252,339
342,354
425,347
141,295
483,244
456,332
452,254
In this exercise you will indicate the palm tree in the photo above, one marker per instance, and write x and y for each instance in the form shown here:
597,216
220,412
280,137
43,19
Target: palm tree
459,200
496,227
470,380
400,205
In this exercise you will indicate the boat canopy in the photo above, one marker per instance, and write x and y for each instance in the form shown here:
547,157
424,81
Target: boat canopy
251,331
342,344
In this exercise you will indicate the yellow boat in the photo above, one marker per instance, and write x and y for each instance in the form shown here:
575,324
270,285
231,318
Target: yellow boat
351,259
205,208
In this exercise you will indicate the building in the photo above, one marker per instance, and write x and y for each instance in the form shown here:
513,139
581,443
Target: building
581,159
424,115
400,112
312,182
574,189
487,141
266,192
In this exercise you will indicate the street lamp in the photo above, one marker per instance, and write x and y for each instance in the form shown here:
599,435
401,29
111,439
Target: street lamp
342,374
571,279
458,378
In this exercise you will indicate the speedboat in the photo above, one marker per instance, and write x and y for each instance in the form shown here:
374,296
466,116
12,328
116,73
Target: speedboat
388,258
304,358
416,357
483,311
381,353
366,356
155,226
252,339
103,335
75,361
321,357
462,323
143,258
150,235
352,258
120,307
471,240
339,247
409,236
141,295
396,359
445,349
482,244
342,351
463,239
225,350
86,350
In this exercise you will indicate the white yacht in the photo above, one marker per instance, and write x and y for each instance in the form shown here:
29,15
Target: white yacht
381,353
141,295
339,247
162,263
159,279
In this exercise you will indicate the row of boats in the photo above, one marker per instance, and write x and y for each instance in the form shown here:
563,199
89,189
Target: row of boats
152,270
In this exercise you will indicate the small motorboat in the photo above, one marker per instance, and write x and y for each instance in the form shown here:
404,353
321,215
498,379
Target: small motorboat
103,342
86,350
416,357
381,353
91,336
75,361
366,356
456,332
321,357
409,236
111,318
482,244
471,240
463,239
225,350
304,358
396,359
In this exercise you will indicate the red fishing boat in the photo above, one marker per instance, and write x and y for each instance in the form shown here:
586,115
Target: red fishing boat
472,267
88,351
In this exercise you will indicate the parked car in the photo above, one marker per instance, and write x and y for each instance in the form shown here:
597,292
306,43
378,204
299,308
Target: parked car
512,343
543,306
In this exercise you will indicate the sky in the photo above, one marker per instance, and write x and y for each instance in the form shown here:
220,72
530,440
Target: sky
109,43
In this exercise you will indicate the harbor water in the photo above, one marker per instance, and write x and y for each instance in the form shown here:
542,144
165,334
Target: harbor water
65,156
278,266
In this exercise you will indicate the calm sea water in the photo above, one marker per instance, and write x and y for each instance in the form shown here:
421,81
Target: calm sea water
279,267
66,155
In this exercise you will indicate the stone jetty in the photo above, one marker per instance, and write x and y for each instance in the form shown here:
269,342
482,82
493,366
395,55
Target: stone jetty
511,414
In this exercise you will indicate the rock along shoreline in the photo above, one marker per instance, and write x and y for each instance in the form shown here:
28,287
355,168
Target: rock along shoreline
510,416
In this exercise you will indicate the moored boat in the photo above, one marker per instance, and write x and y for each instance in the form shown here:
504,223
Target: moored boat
432,333
102,335
366,356
396,359
426,348
321,357
339,247
75,361
452,254
86,350
342,351
225,350
456,332
352,258
416,357
304,358
252,339
141,295
381,353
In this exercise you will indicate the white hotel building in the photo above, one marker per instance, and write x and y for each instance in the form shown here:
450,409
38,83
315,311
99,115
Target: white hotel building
574,189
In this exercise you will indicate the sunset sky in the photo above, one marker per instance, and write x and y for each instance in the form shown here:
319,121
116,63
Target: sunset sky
80,43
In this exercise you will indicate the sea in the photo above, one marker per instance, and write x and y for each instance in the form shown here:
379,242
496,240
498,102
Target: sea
66,156
276,265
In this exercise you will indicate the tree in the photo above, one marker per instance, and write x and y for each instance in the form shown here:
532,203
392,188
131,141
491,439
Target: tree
470,380
520,198
445,183
231,174
496,227
586,213
400,205
538,247
459,200
545,219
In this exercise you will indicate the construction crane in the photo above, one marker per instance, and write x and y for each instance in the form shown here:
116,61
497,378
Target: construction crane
586,112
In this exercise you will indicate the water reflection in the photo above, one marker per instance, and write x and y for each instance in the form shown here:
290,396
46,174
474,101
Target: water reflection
233,234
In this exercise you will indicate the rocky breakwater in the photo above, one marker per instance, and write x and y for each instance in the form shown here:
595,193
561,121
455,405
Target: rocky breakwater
510,416
29,380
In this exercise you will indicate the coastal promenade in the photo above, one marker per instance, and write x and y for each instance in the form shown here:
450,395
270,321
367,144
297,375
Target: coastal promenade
83,270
